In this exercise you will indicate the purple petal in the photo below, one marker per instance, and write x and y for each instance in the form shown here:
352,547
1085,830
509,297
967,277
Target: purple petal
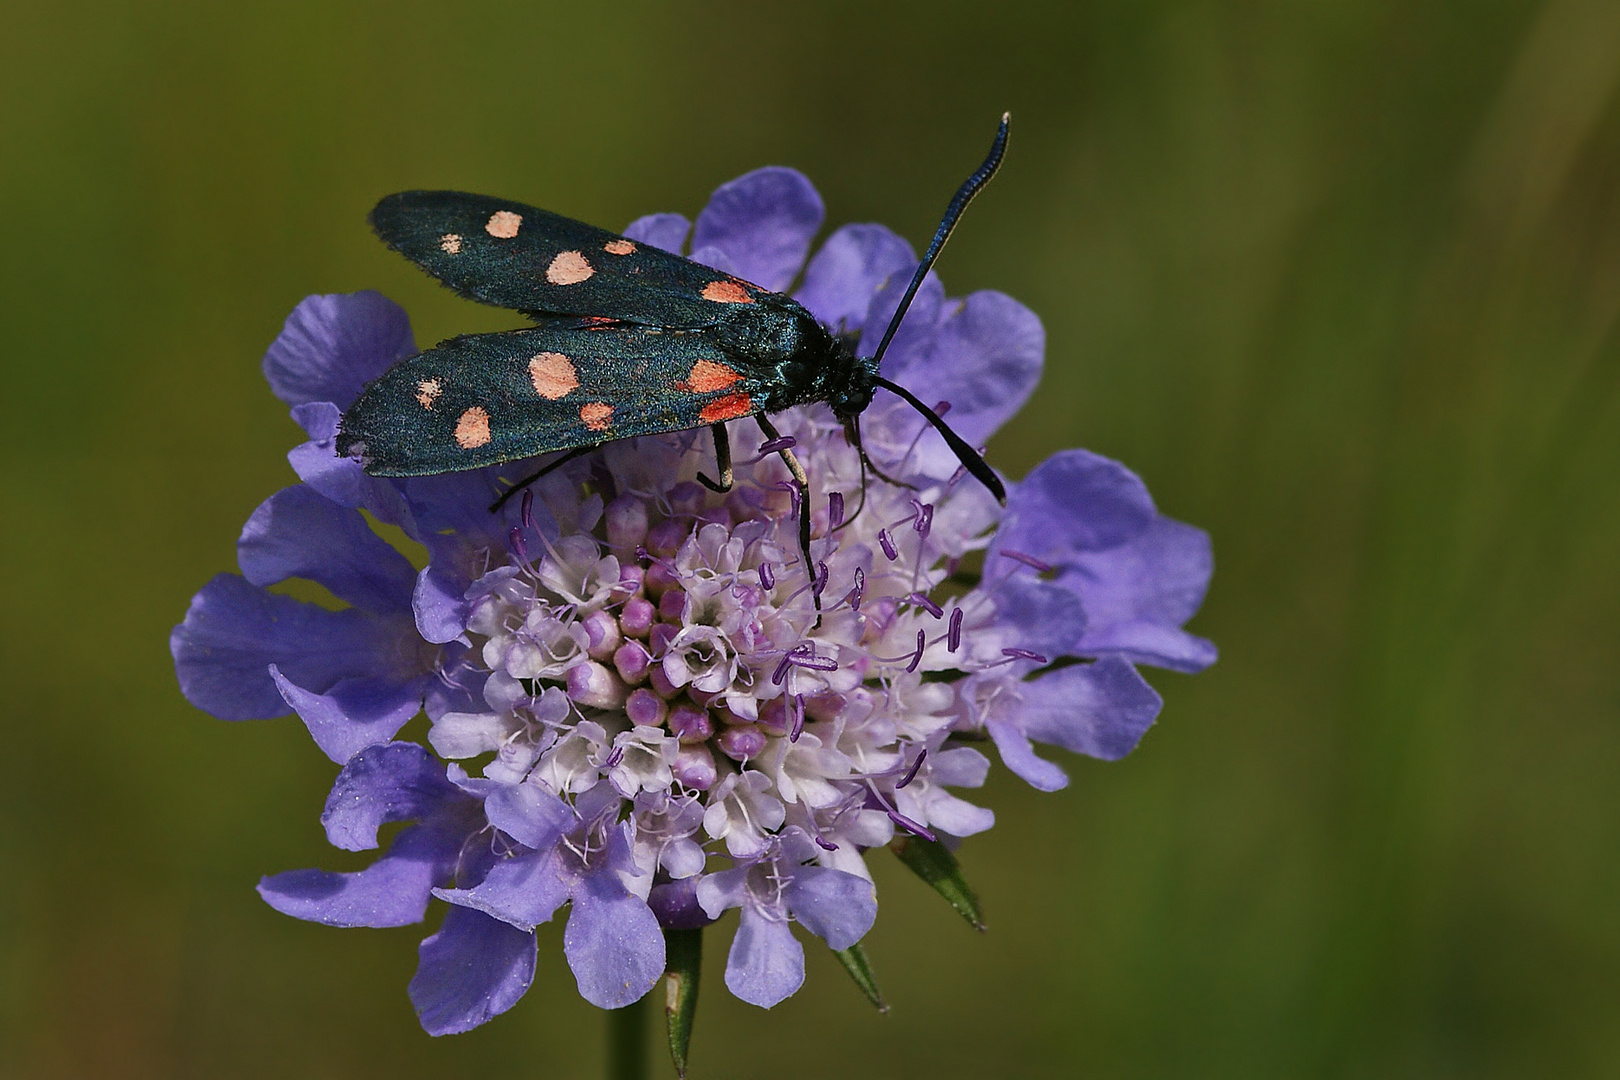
1048,618
1149,643
1072,502
299,533
528,813
332,345
914,341
837,907
355,713
1098,709
524,891
986,360
234,631
342,479
766,962
393,891
1019,755
763,221
613,942
666,231
440,603
473,969
844,276
394,782
722,890
676,905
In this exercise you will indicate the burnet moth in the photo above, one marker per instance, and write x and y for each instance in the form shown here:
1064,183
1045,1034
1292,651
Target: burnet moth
628,340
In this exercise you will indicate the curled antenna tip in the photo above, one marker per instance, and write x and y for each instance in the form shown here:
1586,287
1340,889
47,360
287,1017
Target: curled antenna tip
1006,118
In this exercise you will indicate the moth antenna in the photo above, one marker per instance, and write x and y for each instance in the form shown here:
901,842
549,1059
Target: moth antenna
969,457
964,195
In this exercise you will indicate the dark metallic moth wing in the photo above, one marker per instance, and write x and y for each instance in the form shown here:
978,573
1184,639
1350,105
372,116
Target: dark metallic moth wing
488,398
520,257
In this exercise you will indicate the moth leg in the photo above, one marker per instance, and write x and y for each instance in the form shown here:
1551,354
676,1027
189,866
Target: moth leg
722,461
852,433
802,482
578,451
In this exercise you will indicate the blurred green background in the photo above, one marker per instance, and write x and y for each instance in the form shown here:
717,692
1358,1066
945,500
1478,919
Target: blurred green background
1340,279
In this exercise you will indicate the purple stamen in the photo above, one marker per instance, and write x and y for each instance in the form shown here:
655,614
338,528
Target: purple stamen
520,546
916,657
798,718
835,509
792,489
825,844
1028,560
854,596
614,758
887,545
956,477
911,773
781,671
926,604
820,581
813,662
642,554
954,639
767,577
925,517
911,826
941,409
772,446
527,516
1024,654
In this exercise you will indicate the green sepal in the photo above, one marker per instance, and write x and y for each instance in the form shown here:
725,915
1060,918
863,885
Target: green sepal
683,962
934,863
860,969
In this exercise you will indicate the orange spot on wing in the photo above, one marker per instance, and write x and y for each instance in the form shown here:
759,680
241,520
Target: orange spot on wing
619,247
726,292
596,416
707,377
726,408
553,375
472,430
427,391
503,225
568,268
450,244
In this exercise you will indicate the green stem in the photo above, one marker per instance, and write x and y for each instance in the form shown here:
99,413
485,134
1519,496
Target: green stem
627,1042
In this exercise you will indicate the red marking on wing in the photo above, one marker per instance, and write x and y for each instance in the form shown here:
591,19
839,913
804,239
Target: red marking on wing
726,408
707,377
472,429
726,292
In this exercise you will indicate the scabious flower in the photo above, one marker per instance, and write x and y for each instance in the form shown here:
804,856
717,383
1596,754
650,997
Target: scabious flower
635,712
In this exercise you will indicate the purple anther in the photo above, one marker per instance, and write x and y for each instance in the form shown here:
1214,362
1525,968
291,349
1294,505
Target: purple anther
854,597
780,674
813,662
911,773
792,489
916,657
927,605
798,718
911,826
642,554
1028,560
941,409
1024,654
925,517
820,581
825,845
527,514
887,545
614,758
767,576
775,446
954,638
956,477
520,546
835,509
